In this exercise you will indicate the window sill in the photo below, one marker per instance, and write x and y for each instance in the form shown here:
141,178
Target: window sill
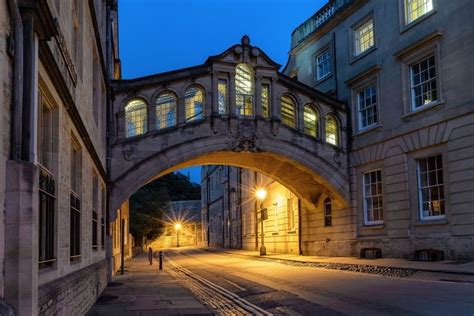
412,24
430,107
317,82
367,130
429,222
373,226
355,59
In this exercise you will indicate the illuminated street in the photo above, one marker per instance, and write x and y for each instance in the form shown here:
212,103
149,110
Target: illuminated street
291,290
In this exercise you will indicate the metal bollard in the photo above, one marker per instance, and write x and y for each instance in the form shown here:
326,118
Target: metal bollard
160,256
150,255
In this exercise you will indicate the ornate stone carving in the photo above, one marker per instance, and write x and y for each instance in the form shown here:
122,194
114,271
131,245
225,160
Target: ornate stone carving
129,154
245,139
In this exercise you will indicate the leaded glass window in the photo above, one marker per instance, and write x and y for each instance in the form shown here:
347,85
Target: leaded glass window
265,100
166,105
332,130
311,121
222,96
288,111
244,90
194,100
417,8
135,118
373,199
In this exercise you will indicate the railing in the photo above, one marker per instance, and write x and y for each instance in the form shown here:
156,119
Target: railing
318,19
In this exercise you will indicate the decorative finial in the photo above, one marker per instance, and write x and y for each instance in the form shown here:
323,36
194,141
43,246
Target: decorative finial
245,40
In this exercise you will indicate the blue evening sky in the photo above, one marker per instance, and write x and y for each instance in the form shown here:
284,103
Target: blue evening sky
163,35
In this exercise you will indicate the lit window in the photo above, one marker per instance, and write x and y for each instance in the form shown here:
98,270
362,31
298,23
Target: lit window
165,110
364,37
323,65
367,101
310,121
222,96
244,89
430,187
332,130
265,100
288,111
416,8
373,202
327,212
423,82
135,118
194,100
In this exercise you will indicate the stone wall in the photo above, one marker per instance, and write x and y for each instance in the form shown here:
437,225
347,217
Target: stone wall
74,293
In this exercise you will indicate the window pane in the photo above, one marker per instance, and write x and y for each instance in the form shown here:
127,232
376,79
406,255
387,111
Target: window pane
373,199
135,118
332,130
194,103
423,82
265,100
364,37
367,107
244,89
288,111
323,65
165,110
222,96
417,8
430,187
310,121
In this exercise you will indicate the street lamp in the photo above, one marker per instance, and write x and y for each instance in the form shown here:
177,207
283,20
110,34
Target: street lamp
261,193
177,227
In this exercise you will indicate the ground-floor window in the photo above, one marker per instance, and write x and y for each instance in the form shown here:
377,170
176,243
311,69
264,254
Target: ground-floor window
47,219
75,227
431,187
373,200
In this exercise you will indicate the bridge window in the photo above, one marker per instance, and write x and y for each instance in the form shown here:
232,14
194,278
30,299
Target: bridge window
332,130
135,118
194,104
265,100
222,96
288,111
165,110
311,121
244,86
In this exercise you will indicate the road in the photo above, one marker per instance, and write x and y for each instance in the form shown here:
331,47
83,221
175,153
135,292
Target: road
293,290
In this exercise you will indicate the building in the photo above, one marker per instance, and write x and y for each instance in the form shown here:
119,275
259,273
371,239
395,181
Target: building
403,67
56,59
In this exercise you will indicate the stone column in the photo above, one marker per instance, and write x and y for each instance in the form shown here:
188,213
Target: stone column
258,96
215,98
232,94
300,117
181,115
151,111
275,112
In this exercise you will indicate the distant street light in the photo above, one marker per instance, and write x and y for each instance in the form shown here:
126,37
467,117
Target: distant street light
177,227
261,193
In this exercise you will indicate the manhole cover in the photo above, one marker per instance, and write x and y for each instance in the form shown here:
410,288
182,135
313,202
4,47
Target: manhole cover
106,298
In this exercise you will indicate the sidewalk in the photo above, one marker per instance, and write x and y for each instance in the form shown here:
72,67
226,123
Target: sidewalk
344,263
144,290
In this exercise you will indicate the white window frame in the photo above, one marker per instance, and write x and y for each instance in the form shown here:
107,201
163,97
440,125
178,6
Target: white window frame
374,105
368,222
319,61
357,51
419,189
412,85
406,4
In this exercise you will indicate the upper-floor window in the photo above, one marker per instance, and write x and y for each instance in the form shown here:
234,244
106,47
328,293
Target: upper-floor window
222,95
166,105
332,130
194,99
311,121
323,64
364,37
135,118
373,199
244,90
46,132
431,187
415,9
367,103
424,88
288,111
265,100
327,212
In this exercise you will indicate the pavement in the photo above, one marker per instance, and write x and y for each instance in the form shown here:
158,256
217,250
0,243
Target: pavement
145,290
465,268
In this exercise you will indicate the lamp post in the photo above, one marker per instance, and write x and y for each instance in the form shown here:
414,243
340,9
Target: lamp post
177,227
261,194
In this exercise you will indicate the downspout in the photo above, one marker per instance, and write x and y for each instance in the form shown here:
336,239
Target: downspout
229,231
300,248
255,214
240,207
208,197
15,50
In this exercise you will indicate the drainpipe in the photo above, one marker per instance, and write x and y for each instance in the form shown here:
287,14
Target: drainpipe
255,213
300,248
240,207
229,230
15,50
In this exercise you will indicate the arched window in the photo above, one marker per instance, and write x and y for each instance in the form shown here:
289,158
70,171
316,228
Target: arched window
288,111
244,90
327,212
332,130
311,119
194,104
165,110
135,118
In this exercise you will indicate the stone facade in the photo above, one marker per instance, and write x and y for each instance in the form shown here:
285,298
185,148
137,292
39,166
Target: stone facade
55,64
404,133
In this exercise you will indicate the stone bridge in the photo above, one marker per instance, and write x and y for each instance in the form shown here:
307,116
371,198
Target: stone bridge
235,109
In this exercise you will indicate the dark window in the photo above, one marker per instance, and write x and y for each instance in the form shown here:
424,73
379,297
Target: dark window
75,228
95,205
327,212
47,219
